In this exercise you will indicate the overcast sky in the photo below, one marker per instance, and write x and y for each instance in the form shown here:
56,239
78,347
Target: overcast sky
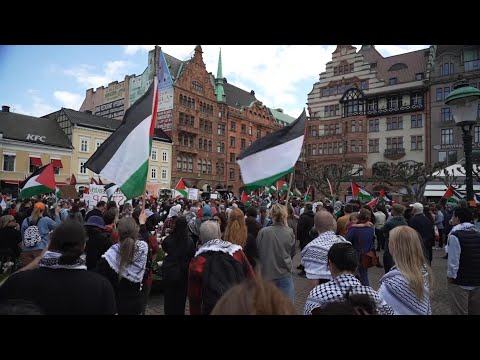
40,79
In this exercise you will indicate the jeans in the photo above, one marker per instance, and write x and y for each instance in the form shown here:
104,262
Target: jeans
363,274
285,284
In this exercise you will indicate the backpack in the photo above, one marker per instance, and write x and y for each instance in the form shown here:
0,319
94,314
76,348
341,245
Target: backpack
31,236
221,271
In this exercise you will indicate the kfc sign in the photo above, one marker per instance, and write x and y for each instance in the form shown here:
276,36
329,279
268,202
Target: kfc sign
36,137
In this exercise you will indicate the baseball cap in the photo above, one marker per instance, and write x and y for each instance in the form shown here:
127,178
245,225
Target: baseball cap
417,206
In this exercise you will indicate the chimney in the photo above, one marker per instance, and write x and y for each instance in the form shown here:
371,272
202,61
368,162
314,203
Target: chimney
252,92
5,108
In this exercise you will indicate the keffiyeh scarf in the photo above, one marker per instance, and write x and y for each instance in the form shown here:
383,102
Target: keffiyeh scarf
134,270
50,260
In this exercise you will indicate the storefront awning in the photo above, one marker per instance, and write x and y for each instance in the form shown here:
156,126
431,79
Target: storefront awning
36,161
57,163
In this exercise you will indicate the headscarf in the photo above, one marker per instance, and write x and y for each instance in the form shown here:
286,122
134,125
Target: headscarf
174,210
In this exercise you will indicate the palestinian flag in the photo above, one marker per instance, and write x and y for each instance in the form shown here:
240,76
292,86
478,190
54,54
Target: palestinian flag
270,158
58,195
73,180
93,181
359,193
110,189
282,186
123,157
452,195
42,181
272,189
297,192
373,203
181,189
307,198
244,199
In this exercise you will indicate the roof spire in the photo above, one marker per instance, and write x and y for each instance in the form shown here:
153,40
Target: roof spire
219,91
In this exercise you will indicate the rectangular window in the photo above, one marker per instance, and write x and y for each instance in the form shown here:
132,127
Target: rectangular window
324,92
332,91
153,173
339,89
360,146
417,99
393,102
419,76
244,129
164,174
416,121
372,105
259,133
416,143
326,111
392,81
446,115
337,110
98,143
81,168
330,148
352,145
232,174
373,145
314,131
243,144
35,164
154,154
164,156
452,156
476,134
447,136
439,94
8,162
232,157
351,67
353,126
338,129
232,141
314,149
83,144
249,130
364,85
335,71
442,156
332,110
232,126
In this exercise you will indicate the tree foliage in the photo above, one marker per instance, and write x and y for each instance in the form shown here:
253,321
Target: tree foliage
336,173
414,176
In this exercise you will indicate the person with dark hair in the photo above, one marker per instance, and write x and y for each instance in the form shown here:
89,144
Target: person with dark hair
124,266
98,242
343,220
98,211
263,218
305,224
19,307
359,304
180,250
396,219
253,227
362,239
463,271
58,283
222,219
111,218
75,214
342,262
111,204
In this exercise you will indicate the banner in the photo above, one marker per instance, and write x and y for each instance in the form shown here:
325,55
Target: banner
97,193
192,194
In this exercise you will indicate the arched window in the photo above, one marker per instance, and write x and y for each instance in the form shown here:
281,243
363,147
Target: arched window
209,145
191,141
179,162
205,144
219,147
200,144
185,140
189,102
199,166
204,166
209,167
353,101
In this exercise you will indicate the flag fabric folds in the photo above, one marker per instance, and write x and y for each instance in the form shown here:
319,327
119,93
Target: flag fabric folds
42,181
359,193
452,195
110,189
270,158
181,189
123,157
330,186
73,180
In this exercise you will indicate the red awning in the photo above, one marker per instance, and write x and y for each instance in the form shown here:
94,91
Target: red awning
57,163
11,182
36,161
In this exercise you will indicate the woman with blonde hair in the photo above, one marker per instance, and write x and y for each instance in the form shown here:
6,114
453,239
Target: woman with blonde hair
276,249
236,233
124,266
254,297
406,287
33,245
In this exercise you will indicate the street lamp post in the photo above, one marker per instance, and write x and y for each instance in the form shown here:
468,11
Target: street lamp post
464,100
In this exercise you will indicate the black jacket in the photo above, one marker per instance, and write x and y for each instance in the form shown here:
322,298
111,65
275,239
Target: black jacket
98,243
10,239
179,254
93,212
61,291
305,224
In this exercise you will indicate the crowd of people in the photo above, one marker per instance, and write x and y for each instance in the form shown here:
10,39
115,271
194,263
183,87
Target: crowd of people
226,258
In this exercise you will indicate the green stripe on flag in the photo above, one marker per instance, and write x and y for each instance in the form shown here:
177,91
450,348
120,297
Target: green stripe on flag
34,190
135,185
267,181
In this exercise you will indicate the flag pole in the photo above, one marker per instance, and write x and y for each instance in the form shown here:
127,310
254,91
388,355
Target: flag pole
289,186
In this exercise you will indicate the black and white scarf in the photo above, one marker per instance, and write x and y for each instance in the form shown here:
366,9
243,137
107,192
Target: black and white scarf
135,269
50,260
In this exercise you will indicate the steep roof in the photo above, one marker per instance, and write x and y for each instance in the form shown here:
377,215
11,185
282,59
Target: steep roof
174,65
236,97
415,63
280,115
23,127
103,123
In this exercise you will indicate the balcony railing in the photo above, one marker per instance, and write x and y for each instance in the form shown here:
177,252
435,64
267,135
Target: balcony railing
186,149
397,110
395,153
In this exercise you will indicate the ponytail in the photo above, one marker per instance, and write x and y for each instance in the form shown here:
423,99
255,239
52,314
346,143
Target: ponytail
127,250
